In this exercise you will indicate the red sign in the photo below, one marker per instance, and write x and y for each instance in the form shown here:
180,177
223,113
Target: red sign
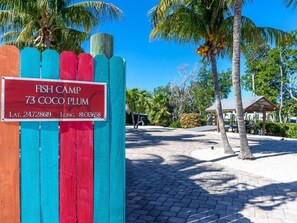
50,100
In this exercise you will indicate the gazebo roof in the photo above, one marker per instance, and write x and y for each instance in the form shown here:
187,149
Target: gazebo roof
259,103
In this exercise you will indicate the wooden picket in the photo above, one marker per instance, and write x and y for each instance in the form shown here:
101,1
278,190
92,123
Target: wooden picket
117,152
49,144
85,151
102,149
70,172
9,146
30,160
68,159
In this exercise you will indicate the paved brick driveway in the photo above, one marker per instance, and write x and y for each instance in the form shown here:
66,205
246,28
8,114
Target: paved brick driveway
165,184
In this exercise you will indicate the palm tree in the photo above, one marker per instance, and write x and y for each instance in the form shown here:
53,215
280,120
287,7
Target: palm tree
143,104
245,152
196,21
137,101
52,23
210,24
159,110
131,102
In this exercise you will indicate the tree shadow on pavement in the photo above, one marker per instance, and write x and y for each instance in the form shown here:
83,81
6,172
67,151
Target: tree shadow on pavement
183,189
140,138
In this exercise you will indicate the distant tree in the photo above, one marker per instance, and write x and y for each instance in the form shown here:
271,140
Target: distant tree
202,87
180,95
137,102
273,73
131,102
52,23
143,104
159,111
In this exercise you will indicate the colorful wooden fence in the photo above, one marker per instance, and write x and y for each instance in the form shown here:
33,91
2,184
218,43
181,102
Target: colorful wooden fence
65,172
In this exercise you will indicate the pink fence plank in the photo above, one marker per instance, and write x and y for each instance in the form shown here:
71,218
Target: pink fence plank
85,151
68,153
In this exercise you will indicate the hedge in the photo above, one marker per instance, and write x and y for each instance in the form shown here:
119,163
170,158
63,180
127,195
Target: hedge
190,120
288,130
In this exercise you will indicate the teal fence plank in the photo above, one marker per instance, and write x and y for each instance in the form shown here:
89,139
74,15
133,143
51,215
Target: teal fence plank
49,149
117,134
30,175
101,149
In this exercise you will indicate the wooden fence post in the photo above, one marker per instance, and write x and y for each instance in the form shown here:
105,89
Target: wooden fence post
102,49
110,135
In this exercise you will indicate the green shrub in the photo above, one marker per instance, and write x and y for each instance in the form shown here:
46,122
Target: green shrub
279,129
190,120
291,131
175,124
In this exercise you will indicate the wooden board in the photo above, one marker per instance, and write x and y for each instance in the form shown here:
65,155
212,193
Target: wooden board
85,151
30,169
49,149
101,149
9,146
68,153
117,131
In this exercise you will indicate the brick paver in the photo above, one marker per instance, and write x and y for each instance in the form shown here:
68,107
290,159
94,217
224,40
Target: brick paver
165,184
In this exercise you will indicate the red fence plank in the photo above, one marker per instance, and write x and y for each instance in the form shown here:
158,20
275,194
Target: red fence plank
9,147
68,153
85,151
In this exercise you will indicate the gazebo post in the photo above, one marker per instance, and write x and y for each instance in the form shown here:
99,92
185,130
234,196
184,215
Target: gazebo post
264,123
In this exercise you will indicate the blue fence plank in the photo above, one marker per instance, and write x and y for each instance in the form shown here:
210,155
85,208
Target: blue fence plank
101,149
30,174
117,134
49,149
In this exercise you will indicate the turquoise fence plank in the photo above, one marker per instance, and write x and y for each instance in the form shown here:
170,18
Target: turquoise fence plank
49,149
117,152
30,175
101,149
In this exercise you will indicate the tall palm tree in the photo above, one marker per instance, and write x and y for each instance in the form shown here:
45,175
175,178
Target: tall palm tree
210,24
52,23
196,21
245,152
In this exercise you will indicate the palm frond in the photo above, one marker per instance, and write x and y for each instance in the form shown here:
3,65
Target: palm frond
290,3
182,25
101,10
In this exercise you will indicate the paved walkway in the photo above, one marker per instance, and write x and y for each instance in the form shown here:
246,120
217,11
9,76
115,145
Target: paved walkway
165,183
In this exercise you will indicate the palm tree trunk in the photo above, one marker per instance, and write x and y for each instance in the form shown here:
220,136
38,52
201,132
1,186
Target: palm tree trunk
213,61
245,152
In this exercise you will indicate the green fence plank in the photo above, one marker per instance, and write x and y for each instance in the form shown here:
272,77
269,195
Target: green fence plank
30,172
101,149
49,143
117,152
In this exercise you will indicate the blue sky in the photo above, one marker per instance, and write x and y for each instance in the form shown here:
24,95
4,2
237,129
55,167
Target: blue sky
154,63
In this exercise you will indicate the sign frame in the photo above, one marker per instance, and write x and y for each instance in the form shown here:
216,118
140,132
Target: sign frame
5,119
